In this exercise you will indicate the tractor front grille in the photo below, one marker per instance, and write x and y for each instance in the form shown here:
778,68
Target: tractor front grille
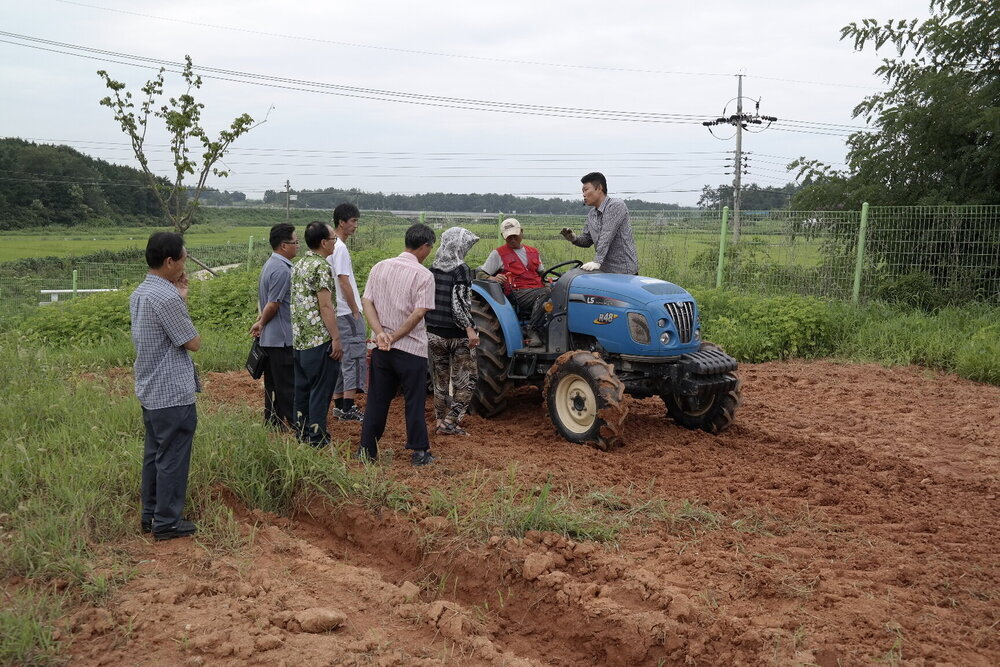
682,313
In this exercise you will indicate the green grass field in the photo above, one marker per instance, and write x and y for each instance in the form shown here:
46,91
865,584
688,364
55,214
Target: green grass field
77,242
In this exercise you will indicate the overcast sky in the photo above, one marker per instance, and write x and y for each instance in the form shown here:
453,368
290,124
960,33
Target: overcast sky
675,59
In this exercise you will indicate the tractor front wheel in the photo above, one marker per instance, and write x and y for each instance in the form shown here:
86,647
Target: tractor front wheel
713,413
586,400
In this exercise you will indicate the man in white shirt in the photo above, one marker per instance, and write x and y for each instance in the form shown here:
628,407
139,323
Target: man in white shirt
350,320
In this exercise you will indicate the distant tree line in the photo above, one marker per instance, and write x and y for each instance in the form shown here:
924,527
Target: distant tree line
441,201
42,184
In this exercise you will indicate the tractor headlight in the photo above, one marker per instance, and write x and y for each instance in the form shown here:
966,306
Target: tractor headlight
697,335
638,328
665,338
661,323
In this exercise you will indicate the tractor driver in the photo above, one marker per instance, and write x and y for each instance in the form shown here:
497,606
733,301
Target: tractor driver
519,269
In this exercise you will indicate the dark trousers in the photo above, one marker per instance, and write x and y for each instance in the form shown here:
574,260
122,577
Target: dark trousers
165,463
532,300
389,372
315,376
279,386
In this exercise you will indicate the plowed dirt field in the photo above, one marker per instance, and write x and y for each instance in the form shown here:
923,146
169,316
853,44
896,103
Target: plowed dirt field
849,517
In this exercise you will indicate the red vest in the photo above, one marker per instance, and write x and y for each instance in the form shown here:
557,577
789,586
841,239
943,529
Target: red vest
521,276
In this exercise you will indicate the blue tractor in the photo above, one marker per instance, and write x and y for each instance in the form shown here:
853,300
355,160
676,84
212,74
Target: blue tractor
609,336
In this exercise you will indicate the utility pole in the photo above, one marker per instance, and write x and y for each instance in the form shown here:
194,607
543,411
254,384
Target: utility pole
288,196
738,165
740,121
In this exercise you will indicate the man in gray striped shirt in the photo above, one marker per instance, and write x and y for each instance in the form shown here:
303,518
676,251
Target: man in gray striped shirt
608,229
165,384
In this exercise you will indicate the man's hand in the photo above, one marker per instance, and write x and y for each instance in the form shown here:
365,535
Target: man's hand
336,352
499,278
384,341
591,266
568,234
256,329
182,286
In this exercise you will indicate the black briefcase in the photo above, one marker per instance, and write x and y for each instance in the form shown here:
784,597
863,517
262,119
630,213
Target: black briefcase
256,360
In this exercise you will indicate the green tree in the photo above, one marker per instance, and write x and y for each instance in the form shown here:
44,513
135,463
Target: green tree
936,129
182,117
752,198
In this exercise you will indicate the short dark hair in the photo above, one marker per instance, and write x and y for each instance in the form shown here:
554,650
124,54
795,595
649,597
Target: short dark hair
162,245
596,177
345,212
418,235
316,233
280,233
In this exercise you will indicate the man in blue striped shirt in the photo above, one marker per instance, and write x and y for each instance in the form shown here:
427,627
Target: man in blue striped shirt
165,384
608,229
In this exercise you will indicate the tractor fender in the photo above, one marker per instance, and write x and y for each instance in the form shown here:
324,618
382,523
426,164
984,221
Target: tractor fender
504,310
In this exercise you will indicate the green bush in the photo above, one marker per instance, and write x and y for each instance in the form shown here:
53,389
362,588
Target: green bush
759,329
916,289
226,302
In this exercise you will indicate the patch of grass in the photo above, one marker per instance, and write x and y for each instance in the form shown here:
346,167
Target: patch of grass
483,504
26,633
70,459
893,656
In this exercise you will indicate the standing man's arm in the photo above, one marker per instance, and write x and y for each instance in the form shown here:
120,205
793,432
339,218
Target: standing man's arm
407,326
382,339
266,315
275,290
328,313
344,282
177,322
583,240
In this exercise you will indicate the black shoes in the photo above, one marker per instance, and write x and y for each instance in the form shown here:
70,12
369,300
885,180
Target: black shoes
422,458
182,528
147,527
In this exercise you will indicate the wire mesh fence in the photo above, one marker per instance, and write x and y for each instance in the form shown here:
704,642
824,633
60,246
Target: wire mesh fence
923,256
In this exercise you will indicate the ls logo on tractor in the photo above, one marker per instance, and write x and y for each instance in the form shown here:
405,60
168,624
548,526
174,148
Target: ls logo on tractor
606,318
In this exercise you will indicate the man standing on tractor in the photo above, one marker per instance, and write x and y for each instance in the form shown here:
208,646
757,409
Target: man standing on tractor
608,229
519,269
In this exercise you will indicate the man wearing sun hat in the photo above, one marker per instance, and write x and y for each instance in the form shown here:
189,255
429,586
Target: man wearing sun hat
519,269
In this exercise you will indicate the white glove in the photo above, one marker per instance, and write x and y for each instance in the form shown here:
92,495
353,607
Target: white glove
591,266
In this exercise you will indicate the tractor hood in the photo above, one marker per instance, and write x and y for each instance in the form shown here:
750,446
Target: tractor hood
634,289
633,315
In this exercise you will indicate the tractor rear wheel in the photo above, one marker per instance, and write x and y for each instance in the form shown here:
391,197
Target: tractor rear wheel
713,413
492,385
586,400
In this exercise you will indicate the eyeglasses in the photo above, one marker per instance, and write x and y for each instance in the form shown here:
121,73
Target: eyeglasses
291,242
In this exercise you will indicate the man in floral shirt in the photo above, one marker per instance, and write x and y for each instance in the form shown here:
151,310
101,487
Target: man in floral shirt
314,335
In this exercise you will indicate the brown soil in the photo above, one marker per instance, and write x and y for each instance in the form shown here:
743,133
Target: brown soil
855,520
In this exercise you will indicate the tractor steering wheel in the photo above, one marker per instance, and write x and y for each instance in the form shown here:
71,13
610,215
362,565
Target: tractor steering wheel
552,269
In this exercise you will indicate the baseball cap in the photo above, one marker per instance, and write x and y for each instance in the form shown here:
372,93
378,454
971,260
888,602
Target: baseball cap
509,226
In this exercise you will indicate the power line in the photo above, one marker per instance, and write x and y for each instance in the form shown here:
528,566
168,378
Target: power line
440,54
419,99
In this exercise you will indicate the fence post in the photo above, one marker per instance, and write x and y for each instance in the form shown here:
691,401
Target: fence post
423,217
74,283
859,265
249,249
722,248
